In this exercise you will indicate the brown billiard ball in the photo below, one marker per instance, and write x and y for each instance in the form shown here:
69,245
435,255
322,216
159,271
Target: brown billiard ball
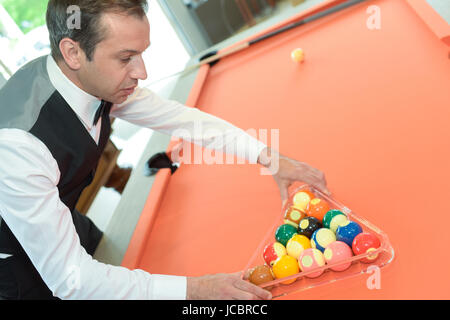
293,216
261,274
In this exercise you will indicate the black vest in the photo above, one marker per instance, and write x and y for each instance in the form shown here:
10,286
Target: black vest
46,115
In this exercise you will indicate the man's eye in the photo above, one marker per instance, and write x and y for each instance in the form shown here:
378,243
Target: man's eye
125,59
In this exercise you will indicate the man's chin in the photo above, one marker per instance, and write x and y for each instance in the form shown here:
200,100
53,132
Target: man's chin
119,99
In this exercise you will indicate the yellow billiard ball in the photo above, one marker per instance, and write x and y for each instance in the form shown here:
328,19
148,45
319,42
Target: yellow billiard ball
285,266
296,245
298,55
301,200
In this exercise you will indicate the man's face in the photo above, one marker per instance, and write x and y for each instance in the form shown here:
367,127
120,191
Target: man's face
117,63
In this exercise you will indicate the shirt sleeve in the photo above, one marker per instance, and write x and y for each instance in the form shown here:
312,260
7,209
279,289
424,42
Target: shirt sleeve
147,109
31,207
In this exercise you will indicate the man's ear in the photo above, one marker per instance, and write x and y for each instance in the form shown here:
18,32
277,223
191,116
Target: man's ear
71,53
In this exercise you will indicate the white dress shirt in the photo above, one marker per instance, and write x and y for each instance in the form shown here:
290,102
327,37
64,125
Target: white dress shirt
31,206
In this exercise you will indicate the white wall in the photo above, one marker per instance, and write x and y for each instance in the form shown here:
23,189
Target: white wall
166,54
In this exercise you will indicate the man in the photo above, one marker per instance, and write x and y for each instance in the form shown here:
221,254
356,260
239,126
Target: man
54,123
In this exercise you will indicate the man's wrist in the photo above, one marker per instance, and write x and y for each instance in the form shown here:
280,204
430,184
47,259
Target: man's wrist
270,159
191,288
264,157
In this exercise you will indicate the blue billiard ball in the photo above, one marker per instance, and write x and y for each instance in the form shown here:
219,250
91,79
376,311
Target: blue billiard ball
347,231
321,238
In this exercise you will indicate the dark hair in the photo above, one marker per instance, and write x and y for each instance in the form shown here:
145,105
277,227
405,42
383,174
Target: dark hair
90,31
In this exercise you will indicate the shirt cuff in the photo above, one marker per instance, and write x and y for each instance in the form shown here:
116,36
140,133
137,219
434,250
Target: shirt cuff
165,287
254,150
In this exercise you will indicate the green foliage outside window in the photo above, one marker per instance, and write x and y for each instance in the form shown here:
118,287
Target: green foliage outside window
28,14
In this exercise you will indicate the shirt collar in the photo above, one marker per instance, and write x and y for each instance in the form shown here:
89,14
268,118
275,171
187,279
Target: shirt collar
82,103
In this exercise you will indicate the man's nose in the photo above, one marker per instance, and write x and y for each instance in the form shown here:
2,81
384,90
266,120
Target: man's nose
138,70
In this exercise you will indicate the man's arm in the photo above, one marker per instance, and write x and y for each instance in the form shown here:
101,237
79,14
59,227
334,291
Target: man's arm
287,171
224,286
31,207
147,109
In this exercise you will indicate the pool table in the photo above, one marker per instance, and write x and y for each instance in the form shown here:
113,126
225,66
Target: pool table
369,106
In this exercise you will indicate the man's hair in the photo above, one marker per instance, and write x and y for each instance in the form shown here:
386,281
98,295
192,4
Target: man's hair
91,32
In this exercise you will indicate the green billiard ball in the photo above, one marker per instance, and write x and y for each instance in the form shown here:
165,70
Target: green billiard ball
330,216
284,233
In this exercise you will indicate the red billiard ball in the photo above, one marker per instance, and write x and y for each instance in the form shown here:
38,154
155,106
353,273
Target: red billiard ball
272,252
366,242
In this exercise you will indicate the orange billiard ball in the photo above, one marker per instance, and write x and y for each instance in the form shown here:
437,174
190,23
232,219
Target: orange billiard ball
317,208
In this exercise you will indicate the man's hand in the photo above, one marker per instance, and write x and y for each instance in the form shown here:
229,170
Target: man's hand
224,287
289,171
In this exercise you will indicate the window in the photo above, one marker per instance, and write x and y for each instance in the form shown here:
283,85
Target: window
23,34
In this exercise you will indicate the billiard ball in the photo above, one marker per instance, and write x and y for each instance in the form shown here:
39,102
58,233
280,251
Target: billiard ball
261,274
321,238
308,225
293,216
317,208
285,266
337,221
296,245
297,55
366,242
329,217
311,259
272,252
301,199
338,251
347,231
284,233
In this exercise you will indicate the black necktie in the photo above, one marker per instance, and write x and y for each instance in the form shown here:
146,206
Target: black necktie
101,111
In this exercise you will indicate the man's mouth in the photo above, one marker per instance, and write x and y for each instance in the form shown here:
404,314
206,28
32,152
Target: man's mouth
129,90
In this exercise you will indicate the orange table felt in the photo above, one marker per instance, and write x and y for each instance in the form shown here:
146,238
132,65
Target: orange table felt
369,107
